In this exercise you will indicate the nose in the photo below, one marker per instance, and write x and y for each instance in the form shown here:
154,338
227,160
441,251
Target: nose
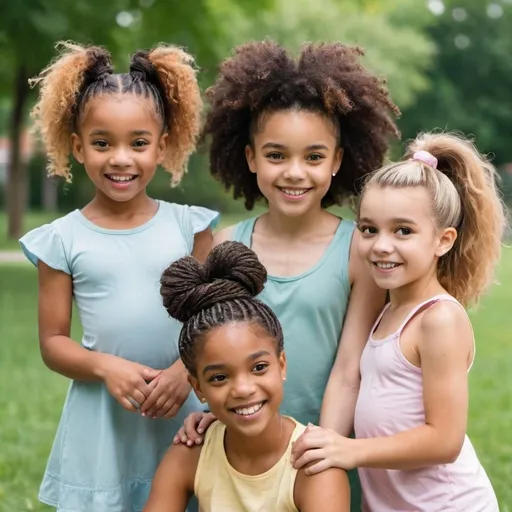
243,387
295,170
382,244
121,158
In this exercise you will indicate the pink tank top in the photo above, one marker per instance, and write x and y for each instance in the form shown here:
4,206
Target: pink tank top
391,401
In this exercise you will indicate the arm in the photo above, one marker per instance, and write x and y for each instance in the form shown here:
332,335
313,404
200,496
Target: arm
173,484
224,235
366,302
124,379
202,245
59,352
445,344
328,491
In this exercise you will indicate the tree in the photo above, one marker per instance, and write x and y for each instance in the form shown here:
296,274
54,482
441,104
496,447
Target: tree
471,77
28,31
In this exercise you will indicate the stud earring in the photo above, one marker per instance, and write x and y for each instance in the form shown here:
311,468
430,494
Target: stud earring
203,400
333,174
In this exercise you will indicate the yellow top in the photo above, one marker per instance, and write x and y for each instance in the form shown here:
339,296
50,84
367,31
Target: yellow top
221,488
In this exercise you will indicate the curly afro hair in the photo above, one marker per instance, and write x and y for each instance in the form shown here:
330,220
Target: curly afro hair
262,77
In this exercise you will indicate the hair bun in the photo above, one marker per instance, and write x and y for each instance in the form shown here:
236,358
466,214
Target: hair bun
231,271
100,65
142,68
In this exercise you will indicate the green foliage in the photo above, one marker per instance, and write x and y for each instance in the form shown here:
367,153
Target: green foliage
471,79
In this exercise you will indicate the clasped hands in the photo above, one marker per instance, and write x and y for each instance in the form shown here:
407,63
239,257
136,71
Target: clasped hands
154,393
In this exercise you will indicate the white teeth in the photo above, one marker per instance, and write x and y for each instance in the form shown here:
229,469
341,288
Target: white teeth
294,192
386,265
121,178
247,411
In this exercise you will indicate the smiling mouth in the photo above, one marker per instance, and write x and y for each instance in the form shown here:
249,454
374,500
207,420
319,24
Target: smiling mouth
294,191
120,179
386,265
248,411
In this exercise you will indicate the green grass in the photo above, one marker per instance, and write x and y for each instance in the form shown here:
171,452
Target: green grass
31,397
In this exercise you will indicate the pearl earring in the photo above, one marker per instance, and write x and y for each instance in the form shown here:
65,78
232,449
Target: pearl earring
333,174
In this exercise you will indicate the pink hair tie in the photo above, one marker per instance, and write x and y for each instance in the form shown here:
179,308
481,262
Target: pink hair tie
426,158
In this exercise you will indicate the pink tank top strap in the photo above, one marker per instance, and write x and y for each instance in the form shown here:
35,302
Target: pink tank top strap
423,305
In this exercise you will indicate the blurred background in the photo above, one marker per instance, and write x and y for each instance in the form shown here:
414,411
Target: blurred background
448,64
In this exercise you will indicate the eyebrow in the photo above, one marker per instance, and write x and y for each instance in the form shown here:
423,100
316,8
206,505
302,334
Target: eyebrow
220,366
275,145
395,220
137,133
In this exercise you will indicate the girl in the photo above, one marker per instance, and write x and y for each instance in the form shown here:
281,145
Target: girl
301,134
431,232
126,375
232,346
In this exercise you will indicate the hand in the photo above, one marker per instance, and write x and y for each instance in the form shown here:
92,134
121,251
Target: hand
168,392
126,381
325,446
195,424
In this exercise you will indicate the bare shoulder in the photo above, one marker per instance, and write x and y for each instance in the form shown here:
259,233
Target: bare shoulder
173,482
328,491
223,235
445,322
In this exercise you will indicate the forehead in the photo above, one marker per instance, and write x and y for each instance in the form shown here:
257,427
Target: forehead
121,112
290,125
234,342
384,203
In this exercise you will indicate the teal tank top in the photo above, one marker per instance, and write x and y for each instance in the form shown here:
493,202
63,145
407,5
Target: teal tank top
311,308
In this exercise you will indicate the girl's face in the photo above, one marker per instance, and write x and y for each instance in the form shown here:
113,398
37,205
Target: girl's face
240,376
120,144
294,157
399,240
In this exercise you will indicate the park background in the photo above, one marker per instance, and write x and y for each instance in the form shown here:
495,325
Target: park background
448,64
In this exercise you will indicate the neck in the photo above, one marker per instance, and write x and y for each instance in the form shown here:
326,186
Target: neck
294,227
252,448
105,205
417,291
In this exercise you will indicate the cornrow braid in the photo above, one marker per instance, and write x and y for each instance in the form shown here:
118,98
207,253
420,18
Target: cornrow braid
165,75
220,291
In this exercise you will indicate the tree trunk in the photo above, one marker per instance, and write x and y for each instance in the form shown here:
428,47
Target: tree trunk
16,186
49,194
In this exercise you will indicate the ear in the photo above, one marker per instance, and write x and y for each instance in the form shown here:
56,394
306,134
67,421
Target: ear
447,238
162,147
283,364
250,157
194,382
77,147
338,158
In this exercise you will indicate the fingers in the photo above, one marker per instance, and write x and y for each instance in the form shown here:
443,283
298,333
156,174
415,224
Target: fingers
206,421
307,457
158,400
318,467
139,398
151,400
149,374
164,409
127,404
172,411
180,436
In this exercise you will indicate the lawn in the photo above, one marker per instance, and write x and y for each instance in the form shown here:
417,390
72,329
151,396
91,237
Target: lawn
31,396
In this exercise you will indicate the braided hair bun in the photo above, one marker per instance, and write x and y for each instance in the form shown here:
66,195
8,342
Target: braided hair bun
231,271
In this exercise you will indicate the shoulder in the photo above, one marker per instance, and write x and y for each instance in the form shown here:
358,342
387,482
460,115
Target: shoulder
444,324
328,490
194,218
179,460
173,482
224,235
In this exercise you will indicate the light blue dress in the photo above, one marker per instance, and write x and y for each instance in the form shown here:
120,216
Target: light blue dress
311,308
104,457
